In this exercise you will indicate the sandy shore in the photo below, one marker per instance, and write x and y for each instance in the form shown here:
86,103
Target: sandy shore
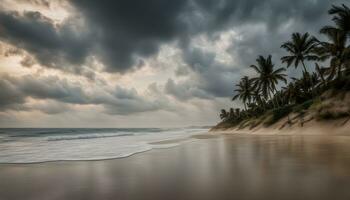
237,166
308,127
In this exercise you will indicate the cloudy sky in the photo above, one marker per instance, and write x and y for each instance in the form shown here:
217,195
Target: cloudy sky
134,63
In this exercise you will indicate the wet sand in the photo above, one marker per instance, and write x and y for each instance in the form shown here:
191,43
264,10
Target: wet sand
220,167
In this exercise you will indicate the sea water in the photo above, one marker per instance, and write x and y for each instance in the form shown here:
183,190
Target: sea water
30,145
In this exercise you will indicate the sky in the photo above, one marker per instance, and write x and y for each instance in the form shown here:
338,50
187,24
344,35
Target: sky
132,63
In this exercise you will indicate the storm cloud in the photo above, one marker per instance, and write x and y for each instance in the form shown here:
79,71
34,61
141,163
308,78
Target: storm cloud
51,46
122,33
60,93
209,45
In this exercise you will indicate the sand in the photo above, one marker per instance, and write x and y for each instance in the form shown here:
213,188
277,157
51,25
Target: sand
308,127
239,166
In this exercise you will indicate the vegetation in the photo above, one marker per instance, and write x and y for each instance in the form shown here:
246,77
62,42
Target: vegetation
260,95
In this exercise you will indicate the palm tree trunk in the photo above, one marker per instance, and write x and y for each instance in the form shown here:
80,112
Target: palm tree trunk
246,110
263,105
302,62
339,71
323,81
278,98
273,102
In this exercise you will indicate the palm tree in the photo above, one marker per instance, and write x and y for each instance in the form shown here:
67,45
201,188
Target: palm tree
259,94
314,80
224,115
301,48
238,112
257,98
254,109
278,97
244,90
305,86
267,77
321,73
335,50
290,93
341,19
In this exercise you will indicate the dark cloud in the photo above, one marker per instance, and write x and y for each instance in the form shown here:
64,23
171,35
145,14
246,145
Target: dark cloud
10,97
261,27
129,30
207,79
185,91
219,14
52,47
59,93
51,87
52,107
16,90
121,33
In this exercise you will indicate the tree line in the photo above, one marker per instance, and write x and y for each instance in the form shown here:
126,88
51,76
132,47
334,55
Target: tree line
260,94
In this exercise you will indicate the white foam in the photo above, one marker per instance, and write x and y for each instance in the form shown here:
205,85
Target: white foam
86,147
90,136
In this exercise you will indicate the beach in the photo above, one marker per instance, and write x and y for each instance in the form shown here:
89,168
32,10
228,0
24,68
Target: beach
214,166
174,100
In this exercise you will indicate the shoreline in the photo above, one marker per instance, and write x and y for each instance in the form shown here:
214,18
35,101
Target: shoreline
339,127
312,128
82,160
222,167
172,143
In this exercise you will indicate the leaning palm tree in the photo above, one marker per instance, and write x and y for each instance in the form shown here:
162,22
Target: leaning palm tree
341,17
321,73
300,48
335,50
268,78
244,91
322,79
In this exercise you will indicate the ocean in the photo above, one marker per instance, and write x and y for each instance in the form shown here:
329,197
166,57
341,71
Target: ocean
32,145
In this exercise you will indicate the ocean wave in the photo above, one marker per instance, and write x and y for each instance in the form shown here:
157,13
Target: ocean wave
84,137
43,132
97,158
136,150
88,144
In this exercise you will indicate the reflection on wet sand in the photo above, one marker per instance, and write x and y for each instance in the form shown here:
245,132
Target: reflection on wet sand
226,167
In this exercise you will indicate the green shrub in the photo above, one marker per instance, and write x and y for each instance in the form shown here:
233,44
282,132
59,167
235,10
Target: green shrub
303,106
342,84
278,114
